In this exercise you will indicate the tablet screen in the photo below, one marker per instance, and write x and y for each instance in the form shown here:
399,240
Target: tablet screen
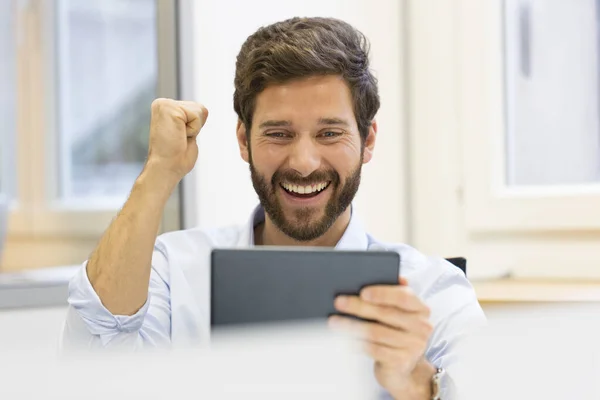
256,286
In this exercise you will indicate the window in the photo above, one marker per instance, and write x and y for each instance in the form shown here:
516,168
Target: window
7,98
505,135
77,79
107,77
552,50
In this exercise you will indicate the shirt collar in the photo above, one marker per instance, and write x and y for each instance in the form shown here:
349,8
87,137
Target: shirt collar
354,238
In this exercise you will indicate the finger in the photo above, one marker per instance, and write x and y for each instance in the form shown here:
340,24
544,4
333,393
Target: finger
398,296
377,333
403,282
195,117
391,316
387,355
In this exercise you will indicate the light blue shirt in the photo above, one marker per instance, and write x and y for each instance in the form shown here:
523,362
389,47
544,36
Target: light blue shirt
176,312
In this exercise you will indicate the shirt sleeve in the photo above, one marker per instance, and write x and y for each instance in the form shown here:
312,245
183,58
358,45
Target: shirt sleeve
456,314
90,325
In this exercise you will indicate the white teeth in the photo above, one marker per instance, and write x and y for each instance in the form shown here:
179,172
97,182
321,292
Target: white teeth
304,189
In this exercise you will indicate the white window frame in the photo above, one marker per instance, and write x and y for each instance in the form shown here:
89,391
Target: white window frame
460,205
36,213
7,138
491,205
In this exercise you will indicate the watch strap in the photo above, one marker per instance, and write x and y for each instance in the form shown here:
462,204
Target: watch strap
436,384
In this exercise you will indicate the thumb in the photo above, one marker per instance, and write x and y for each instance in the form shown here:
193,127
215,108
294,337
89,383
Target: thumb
402,281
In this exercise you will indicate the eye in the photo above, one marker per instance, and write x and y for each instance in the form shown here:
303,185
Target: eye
277,135
330,134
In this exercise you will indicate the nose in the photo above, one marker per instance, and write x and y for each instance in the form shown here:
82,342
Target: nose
304,157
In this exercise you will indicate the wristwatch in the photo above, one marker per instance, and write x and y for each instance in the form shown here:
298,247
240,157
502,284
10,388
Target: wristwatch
436,385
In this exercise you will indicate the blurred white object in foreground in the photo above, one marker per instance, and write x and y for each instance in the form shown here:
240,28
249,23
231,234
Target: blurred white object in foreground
530,351
290,363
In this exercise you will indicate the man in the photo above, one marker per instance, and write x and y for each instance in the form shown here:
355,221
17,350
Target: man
306,102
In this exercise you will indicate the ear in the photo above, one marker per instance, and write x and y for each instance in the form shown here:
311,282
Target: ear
370,142
242,140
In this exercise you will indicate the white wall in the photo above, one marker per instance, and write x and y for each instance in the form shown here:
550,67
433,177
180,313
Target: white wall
224,190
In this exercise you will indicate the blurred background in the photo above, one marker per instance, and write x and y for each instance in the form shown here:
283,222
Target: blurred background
76,82
489,143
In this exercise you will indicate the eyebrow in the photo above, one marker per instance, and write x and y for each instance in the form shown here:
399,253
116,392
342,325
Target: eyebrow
333,121
273,123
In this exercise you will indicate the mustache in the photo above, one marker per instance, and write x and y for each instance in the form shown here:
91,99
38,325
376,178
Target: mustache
295,178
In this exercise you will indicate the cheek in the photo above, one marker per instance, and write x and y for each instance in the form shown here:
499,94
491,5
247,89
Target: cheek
267,158
344,159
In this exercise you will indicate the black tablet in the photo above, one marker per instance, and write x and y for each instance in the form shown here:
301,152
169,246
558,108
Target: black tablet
277,285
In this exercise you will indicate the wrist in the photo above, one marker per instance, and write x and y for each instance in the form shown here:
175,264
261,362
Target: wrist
159,175
422,378
157,180
418,384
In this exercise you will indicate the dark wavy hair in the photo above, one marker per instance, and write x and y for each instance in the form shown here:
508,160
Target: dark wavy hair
305,47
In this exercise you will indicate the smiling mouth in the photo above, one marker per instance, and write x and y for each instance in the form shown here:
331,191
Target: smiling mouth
304,191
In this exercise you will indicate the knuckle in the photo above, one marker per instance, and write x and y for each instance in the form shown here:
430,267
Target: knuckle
204,111
159,104
426,311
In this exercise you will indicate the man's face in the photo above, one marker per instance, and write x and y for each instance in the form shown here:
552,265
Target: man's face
305,154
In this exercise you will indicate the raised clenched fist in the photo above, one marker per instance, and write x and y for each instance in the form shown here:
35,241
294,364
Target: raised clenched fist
174,126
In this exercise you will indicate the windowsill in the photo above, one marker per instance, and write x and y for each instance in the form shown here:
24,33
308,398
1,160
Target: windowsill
47,287
536,290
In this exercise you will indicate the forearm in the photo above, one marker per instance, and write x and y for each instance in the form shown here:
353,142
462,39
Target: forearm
119,268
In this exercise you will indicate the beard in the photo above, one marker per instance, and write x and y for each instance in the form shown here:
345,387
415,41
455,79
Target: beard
305,224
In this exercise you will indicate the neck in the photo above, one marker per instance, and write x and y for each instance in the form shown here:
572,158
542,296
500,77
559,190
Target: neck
267,234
